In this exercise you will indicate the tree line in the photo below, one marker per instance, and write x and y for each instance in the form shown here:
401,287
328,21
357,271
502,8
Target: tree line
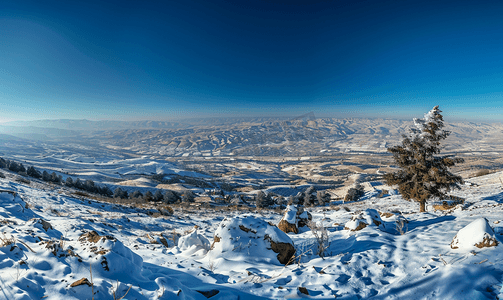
88,185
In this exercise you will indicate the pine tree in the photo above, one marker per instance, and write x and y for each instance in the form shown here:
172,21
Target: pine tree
308,198
148,196
158,196
69,181
46,176
188,196
170,197
136,195
32,172
422,175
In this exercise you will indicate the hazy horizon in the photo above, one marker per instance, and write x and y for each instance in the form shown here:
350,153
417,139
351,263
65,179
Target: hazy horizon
172,61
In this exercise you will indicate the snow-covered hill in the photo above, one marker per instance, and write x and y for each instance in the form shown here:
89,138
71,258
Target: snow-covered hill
51,242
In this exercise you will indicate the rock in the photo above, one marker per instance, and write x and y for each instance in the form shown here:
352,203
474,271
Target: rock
294,218
111,256
368,217
45,225
285,250
208,294
303,290
289,221
303,217
476,234
247,238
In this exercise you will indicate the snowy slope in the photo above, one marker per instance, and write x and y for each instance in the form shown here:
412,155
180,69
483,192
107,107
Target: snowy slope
127,247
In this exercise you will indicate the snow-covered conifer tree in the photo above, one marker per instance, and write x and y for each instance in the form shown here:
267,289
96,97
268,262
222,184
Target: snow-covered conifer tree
422,175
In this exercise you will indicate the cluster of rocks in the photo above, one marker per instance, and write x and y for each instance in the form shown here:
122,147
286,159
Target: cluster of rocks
294,218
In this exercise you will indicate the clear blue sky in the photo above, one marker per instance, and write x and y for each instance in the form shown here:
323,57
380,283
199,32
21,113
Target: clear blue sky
162,60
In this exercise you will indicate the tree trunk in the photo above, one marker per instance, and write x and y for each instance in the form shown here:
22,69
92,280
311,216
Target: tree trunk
422,206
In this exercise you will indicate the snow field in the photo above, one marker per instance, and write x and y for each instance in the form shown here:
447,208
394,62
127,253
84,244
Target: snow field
376,262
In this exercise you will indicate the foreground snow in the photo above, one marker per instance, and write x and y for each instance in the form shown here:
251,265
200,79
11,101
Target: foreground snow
125,247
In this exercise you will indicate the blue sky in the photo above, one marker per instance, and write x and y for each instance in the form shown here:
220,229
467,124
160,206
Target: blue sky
173,59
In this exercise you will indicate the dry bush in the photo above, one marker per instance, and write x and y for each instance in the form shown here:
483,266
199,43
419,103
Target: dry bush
354,193
401,225
320,233
6,241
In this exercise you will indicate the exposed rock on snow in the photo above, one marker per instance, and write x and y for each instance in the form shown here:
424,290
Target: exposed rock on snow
303,290
476,234
368,217
303,217
251,239
294,218
111,254
45,225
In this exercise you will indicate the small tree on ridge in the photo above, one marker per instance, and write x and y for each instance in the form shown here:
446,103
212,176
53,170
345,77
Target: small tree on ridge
422,175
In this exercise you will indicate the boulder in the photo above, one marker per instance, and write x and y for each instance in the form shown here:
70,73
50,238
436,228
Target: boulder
294,218
368,217
303,217
289,221
247,238
476,234
111,256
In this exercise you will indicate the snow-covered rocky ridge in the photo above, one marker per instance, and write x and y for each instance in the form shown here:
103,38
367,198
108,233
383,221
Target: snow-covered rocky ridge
51,241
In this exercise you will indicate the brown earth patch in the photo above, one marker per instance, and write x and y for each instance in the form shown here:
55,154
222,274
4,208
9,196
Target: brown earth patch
94,237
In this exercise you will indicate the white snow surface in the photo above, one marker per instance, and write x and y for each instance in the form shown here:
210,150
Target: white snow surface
372,263
291,214
194,242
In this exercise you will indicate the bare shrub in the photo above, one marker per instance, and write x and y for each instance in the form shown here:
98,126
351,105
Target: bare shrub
401,225
354,193
320,233
115,288
6,241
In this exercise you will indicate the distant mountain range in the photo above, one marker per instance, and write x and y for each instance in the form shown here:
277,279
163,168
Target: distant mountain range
251,136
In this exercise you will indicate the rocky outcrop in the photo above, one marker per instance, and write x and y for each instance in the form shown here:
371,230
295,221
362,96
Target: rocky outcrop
368,217
251,239
476,234
293,219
